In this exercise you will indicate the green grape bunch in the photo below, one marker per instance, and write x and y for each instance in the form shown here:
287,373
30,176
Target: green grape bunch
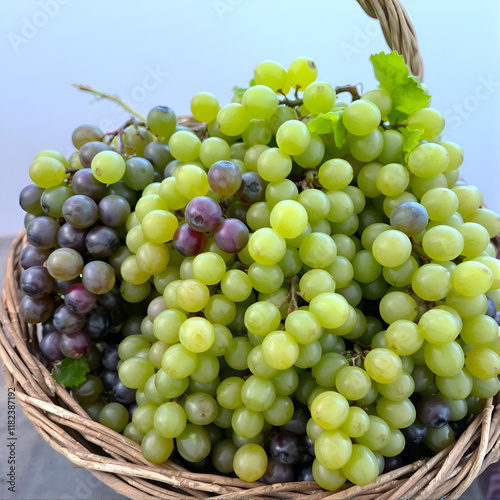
311,288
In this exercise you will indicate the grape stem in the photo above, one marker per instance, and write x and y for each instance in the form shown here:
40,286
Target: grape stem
293,103
114,98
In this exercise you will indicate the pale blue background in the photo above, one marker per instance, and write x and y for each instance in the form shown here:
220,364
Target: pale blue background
162,52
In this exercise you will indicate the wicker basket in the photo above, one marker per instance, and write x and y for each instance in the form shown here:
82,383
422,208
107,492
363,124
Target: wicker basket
118,462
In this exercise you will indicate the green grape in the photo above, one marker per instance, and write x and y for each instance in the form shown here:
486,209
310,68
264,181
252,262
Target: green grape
47,172
404,337
383,365
257,132
366,147
356,424
250,462
253,155
395,445
358,198
317,281
429,120
361,117
330,410
482,362
391,248
392,150
220,310
319,97
479,331
476,238
223,455
280,412
232,119
134,293
440,203
159,226
209,268
134,372
262,318
247,423
229,393
378,434
396,306
156,448
280,350
191,181
371,232
214,149
458,408
431,282
399,414
493,264
236,285
266,246
313,154
135,238
286,381
207,368
439,326
108,167
381,99
455,153
291,264
281,190
456,387
274,165
330,309
194,443
335,174
169,192
302,72
444,360
362,468
115,416
204,107
443,243
341,206
485,388
317,250
333,448
329,479
353,383
236,355
366,268
309,354
271,74
257,364
401,276
132,273
196,334
470,199
471,278
169,420
260,102
192,295
293,137
184,146
345,245
178,362
257,393
200,408
427,160
152,258
288,218
316,204
132,433
265,279
148,203
258,215
439,439
392,179
399,389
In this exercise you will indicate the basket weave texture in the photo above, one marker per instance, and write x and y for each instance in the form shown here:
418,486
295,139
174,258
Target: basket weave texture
118,462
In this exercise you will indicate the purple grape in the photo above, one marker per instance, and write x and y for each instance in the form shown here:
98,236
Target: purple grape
33,256
415,433
29,199
80,211
98,277
238,210
187,241
297,424
114,210
109,378
79,300
284,448
84,182
224,178
252,189
231,235
139,173
409,217
63,287
49,347
36,282
131,409
158,154
307,445
110,357
393,463
458,427
72,237
36,310
102,241
433,411
123,394
75,345
203,214
304,472
48,326
67,321
89,150
86,133
42,232
492,308
278,472
98,323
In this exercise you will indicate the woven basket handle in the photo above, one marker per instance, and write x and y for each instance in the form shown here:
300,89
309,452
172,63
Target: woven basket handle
398,30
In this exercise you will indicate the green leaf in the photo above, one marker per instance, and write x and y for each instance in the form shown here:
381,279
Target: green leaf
406,91
411,137
328,123
71,372
238,93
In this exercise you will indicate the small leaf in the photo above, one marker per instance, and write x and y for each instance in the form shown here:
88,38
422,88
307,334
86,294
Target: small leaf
71,372
238,93
329,123
407,93
411,137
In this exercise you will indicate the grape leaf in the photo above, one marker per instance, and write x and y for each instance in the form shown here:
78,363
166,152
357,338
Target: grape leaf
406,91
327,123
238,93
411,138
71,372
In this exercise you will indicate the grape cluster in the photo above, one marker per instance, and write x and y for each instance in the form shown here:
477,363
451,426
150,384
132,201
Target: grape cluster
317,303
